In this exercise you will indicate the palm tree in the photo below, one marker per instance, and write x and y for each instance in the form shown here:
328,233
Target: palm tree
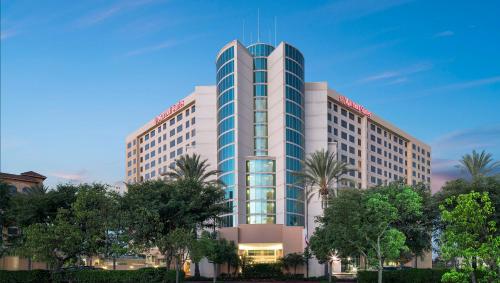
478,164
192,168
322,171
320,175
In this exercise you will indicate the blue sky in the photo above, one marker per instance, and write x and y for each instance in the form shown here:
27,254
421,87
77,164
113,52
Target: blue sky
78,76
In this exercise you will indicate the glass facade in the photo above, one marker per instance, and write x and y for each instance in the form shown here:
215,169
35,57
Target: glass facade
260,172
294,109
225,130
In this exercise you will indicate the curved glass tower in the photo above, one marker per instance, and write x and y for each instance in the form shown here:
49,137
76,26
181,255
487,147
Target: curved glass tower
225,128
260,118
294,111
260,170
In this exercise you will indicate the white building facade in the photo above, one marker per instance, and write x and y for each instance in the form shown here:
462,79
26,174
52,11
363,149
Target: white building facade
257,125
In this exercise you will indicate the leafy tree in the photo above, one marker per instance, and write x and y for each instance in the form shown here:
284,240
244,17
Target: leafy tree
292,260
417,227
6,194
458,187
323,171
322,248
40,205
479,165
194,170
155,208
145,219
55,243
366,223
470,234
181,241
217,250
94,212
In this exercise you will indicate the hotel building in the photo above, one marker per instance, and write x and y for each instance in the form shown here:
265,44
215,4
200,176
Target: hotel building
257,125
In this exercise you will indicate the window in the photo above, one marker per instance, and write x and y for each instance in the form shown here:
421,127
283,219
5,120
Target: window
343,124
179,117
172,132
172,143
343,146
193,121
172,154
172,121
343,112
179,128
179,151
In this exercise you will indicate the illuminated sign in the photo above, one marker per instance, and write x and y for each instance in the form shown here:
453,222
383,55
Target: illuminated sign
165,115
349,103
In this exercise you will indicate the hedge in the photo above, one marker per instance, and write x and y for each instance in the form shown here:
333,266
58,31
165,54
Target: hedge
262,271
144,275
403,276
33,276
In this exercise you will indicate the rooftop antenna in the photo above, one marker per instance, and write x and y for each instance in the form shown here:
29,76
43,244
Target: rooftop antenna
258,25
270,38
274,31
243,32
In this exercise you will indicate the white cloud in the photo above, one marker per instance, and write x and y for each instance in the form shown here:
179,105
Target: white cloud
444,33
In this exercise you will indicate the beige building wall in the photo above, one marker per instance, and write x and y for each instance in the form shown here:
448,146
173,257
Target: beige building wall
276,124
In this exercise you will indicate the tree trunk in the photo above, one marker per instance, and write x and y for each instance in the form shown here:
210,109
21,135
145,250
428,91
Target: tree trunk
380,261
215,273
326,269
114,262
176,271
415,265
307,267
197,269
329,272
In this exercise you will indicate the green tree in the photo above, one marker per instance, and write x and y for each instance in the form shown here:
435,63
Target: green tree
322,248
458,187
323,171
470,234
6,194
181,242
217,250
94,212
292,260
365,223
55,243
417,227
195,171
191,167
479,165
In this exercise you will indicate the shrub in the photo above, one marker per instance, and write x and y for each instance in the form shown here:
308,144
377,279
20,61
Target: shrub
144,275
25,276
403,276
263,271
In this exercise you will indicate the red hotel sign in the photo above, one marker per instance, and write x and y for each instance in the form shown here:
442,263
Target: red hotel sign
349,103
165,115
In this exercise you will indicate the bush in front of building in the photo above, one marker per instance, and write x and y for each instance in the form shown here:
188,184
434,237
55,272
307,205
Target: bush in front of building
263,271
32,276
403,276
144,275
